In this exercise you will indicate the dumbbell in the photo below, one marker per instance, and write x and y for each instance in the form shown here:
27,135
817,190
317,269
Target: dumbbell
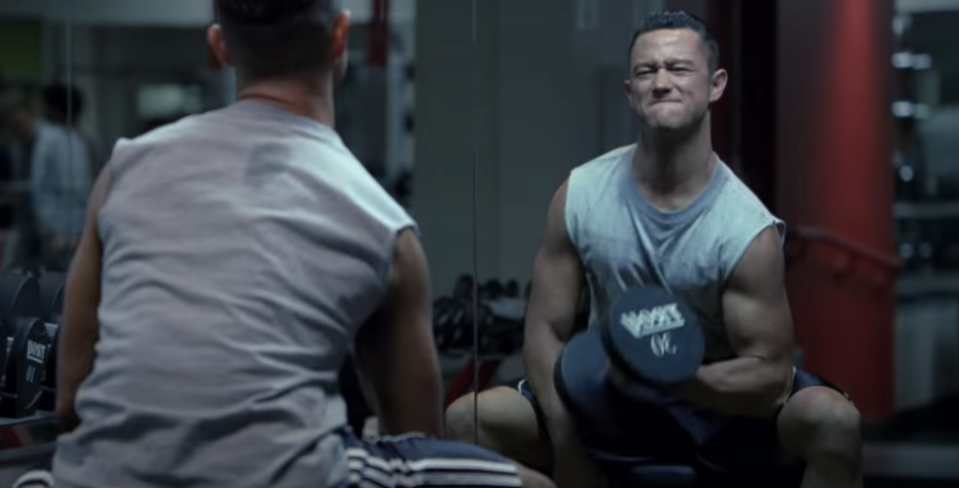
52,287
463,289
28,344
650,341
512,289
492,290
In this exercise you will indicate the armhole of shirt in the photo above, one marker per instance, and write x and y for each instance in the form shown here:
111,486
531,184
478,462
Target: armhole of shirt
110,169
393,237
738,247
569,210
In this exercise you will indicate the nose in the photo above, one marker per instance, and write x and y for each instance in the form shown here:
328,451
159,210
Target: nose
662,83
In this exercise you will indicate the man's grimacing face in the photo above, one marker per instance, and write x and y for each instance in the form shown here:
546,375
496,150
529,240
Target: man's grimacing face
671,84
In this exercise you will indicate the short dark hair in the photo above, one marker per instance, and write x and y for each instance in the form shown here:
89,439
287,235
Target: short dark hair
678,19
65,101
278,38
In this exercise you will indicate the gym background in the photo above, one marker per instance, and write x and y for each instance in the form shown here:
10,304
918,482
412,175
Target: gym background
841,115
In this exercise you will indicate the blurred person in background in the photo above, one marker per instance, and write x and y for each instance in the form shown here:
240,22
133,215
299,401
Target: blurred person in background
7,177
64,105
55,162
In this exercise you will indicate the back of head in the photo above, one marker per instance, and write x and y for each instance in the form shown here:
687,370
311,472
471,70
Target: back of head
270,39
62,103
679,19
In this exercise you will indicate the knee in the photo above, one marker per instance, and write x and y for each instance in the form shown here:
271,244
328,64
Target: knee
821,421
534,479
460,418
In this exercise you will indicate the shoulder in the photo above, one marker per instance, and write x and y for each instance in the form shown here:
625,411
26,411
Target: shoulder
736,198
50,135
173,133
604,164
591,180
746,223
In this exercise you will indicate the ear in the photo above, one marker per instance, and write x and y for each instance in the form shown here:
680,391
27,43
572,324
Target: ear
340,45
628,91
718,85
217,44
341,35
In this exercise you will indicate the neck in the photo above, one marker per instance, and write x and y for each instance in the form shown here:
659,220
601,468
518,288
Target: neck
310,99
667,162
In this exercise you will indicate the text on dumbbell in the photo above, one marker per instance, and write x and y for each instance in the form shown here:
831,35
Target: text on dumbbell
36,352
653,320
661,345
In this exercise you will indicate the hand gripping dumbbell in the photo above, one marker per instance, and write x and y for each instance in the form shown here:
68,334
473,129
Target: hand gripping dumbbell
28,343
52,286
650,341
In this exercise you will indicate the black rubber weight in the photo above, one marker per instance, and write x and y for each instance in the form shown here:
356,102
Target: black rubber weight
653,337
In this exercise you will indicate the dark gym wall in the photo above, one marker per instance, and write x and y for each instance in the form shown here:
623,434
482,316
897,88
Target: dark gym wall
442,198
834,132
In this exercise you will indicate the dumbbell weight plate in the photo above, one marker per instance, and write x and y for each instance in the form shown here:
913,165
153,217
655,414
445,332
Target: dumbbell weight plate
609,419
653,337
19,297
48,388
52,287
50,369
25,368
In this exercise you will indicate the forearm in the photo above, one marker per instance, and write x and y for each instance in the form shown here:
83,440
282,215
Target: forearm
745,386
540,351
413,404
404,391
74,363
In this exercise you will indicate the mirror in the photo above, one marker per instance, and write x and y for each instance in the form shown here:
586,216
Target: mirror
812,148
444,176
44,184
42,162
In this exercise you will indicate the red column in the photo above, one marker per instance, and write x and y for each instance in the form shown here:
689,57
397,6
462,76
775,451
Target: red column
834,172
379,33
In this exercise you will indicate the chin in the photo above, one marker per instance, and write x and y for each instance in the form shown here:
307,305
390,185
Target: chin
666,126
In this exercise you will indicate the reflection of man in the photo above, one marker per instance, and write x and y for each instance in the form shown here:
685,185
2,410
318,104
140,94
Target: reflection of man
666,211
56,163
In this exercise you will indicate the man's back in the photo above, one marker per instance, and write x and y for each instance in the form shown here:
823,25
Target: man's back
242,250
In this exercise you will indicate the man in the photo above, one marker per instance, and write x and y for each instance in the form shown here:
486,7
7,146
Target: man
229,264
63,105
55,163
666,211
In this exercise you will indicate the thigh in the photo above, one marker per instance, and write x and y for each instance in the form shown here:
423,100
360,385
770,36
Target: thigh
746,452
510,423
416,460
755,452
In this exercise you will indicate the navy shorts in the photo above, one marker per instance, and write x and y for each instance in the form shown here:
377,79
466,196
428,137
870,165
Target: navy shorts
414,460
407,461
721,448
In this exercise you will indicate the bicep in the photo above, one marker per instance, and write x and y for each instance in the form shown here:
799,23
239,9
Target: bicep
557,276
83,280
80,330
395,352
755,307
405,313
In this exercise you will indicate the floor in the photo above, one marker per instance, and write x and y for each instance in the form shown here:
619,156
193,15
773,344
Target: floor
914,449
887,466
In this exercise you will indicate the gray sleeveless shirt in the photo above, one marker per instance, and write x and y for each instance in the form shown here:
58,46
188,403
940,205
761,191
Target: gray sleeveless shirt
625,242
242,250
